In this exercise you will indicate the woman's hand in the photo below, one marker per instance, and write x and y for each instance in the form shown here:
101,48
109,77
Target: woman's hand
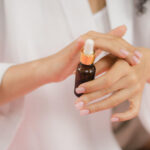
66,60
125,82
31,75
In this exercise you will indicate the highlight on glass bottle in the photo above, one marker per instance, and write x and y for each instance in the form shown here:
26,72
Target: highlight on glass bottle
85,70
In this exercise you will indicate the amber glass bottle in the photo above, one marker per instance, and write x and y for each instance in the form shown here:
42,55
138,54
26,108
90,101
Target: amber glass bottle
85,70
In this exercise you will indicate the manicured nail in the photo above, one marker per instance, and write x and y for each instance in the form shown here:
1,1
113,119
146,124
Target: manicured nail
136,60
114,119
84,112
124,52
80,90
138,54
79,105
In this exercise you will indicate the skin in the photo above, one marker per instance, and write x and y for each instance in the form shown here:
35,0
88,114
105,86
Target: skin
97,5
124,81
23,78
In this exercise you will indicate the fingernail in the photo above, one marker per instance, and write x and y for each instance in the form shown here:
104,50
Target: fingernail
80,90
124,52
136,60
138,54
114,119
84,112
79,105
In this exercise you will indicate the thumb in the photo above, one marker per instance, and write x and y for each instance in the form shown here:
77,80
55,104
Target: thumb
119,31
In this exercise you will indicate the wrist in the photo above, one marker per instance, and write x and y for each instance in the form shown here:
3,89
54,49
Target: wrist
44,72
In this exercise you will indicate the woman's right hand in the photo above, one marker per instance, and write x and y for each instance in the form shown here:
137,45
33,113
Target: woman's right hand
67,59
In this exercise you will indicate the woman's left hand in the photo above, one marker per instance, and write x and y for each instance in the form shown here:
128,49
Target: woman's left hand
125,82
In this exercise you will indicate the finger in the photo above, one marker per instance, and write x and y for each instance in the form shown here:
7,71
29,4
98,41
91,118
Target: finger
110,102
118,47
119,31
104,64
98,52
123,83
135,56
78,44
108,79
131,113
115,45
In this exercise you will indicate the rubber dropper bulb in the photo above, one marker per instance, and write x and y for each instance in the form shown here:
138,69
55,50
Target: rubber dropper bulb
89,47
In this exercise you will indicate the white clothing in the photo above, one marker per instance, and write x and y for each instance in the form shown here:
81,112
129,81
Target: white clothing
102,21
46,118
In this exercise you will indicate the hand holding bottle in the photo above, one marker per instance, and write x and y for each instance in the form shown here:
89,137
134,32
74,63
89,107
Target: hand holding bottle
111,42
65,61
29,76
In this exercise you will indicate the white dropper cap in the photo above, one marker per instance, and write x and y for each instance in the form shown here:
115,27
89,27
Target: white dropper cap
89,47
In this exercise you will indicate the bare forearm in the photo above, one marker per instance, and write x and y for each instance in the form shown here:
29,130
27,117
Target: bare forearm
22,79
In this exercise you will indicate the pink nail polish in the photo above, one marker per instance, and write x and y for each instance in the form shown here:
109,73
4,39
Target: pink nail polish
79,105
136,60
80,90
124,52
138,54
84,112
114,119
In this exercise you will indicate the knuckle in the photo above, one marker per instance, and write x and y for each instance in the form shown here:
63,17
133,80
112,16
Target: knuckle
133,78
90,32
132,49
106,91
107,81
113,41
116,39
119,40
125,65
88,87
130,70
135,112
94,108
138,87
85,98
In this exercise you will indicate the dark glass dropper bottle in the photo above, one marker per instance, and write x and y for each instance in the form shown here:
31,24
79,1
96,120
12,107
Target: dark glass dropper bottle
85,70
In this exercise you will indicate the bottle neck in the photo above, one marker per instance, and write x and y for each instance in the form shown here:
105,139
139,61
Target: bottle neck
87,59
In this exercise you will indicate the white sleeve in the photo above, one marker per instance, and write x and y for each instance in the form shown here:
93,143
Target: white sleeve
144,114
10,115
3,69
